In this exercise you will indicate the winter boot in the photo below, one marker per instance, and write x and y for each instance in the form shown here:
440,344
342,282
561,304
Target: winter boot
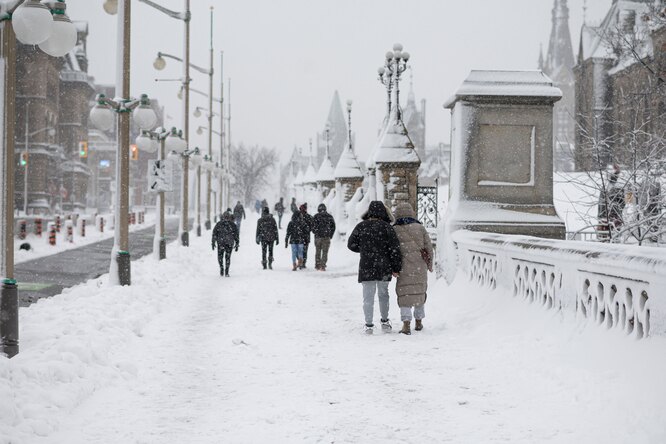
419,325
295,266
264,265
406,329
386,325
369,329
270,265
221,271
301,265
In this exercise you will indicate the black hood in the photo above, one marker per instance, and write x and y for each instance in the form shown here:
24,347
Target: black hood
321,208
264,211
377,210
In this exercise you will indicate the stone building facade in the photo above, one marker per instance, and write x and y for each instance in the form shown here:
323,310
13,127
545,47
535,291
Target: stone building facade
619,94
558,65
52,103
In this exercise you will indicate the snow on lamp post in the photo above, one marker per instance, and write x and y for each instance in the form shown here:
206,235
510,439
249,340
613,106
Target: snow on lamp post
32,23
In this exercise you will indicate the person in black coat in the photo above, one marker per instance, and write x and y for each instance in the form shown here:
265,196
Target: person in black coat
267,234
279,210
225,236
296,233
381,259
239,214
323,228
307,219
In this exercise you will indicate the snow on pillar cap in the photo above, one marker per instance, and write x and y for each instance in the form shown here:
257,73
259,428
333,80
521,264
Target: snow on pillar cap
489,85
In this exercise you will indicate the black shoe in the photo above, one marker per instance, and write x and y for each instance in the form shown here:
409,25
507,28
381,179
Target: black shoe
264,264
226,274
270,265
221,271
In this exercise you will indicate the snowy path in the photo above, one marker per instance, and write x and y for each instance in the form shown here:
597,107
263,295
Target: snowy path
186,356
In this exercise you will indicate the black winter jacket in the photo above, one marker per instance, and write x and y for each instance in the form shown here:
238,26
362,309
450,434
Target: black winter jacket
297,231
323,225
225,234
380,250
307,220
239,211
267,230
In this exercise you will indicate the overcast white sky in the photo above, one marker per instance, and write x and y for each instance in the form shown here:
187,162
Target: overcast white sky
285,58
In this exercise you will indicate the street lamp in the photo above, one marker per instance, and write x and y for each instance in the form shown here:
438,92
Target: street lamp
32,23
166,140
185,17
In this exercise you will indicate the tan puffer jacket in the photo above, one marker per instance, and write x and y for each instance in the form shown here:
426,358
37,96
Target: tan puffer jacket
413,280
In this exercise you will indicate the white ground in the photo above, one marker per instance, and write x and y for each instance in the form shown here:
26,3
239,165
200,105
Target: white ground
185,356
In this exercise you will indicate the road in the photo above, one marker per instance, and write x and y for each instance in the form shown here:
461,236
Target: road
48,276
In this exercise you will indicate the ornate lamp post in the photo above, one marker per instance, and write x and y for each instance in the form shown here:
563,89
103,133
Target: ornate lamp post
32,23
102,117
167,140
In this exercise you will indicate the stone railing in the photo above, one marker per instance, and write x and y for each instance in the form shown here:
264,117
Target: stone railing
616,286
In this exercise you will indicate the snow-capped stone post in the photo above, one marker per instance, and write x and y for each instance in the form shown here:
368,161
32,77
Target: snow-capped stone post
348,179
348,173
311,195
326,173
502,157
395,159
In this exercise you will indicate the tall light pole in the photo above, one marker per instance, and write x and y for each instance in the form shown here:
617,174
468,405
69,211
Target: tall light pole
35,26
102,116
186,17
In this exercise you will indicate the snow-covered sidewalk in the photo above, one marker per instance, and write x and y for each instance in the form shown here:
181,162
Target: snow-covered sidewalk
185,356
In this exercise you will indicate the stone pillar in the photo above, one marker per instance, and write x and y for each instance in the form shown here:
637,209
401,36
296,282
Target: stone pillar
399,183
347,186
502,155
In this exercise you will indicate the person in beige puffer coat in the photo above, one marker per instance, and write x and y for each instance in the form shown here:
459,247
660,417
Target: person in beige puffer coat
412,284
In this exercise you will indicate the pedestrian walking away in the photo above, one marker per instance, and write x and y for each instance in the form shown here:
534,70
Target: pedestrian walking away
267,235
416,251
279,210
296,231
293,206
323,228
376,241
239,214
225,237
307,219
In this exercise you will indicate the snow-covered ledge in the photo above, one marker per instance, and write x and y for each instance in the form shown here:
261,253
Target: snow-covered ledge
617,286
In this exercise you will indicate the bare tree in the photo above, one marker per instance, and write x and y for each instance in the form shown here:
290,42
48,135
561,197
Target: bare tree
251,169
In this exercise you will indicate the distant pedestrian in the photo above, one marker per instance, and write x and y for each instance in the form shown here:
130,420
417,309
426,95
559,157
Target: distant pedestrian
225,237
307,219
264,204
296,232
294,207
279,210
267,234
417,256
257,206
239,214
323,228
379,246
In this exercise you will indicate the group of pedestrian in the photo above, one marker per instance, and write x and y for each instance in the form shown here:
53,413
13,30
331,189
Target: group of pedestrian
392,247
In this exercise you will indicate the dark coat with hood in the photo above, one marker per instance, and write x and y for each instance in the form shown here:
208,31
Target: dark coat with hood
297,231
323,224
225,233
267,230
414,241
378,244
307,220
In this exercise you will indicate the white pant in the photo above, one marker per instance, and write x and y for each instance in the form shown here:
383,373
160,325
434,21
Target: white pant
369,299
406,313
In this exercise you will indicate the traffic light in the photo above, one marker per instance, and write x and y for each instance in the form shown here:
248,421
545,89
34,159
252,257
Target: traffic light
24,158
83,150
134,151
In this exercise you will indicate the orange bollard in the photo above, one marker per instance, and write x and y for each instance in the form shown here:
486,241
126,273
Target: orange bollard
38,227
57,223
52,234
